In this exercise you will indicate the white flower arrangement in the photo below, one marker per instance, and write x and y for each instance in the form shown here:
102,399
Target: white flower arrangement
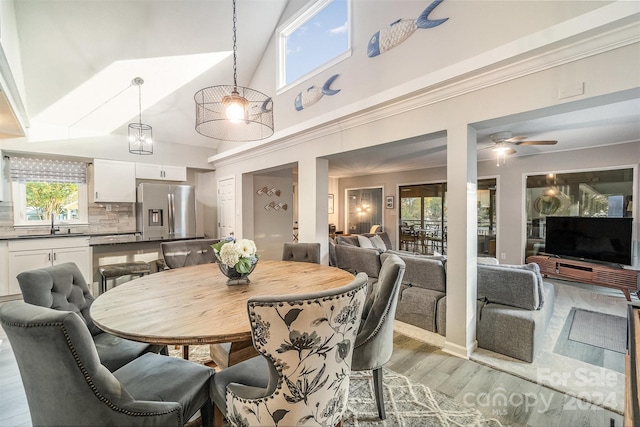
240,254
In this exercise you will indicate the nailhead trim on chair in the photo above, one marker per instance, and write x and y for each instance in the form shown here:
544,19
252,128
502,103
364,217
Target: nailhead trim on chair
86,375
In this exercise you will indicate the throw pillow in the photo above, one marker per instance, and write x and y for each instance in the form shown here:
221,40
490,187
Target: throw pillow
378,243
364,242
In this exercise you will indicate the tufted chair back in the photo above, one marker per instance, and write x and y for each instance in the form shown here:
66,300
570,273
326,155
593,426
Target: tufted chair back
374,343
309,341
184,253
60,287
66,384
302,252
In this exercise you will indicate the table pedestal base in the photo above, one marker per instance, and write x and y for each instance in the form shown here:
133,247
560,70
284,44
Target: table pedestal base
227,354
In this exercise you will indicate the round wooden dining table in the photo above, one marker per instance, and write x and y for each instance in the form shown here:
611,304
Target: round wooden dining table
194,305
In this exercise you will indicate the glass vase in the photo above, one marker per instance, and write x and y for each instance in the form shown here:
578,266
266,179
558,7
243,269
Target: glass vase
233,276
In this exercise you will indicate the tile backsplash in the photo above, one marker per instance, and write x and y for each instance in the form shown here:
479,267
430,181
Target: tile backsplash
103,218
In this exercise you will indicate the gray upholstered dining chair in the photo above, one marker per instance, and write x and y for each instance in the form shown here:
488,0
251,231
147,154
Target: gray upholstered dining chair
302,252
66,385
302,373
62,287
374,343
184,253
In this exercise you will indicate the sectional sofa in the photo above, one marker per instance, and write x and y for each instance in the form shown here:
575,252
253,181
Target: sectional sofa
514,303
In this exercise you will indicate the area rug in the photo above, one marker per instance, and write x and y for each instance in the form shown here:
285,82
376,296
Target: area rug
599,329
407,404
586,382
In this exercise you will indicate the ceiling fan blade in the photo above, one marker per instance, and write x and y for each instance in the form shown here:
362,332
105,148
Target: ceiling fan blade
536,143
510,151
516,139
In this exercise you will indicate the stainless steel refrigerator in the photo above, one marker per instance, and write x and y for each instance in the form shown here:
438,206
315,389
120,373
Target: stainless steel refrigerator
166,210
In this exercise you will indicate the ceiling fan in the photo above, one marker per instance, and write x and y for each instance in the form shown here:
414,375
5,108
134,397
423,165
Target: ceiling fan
503,143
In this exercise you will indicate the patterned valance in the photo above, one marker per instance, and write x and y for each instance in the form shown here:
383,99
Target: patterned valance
42,170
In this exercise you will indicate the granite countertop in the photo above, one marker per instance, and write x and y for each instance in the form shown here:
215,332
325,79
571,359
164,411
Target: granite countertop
96,239
117,239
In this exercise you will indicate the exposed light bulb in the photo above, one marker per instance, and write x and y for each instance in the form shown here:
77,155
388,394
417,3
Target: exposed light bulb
501,153
235,106
235,112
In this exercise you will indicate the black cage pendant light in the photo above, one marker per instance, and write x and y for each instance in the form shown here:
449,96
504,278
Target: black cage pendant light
233,113
140,135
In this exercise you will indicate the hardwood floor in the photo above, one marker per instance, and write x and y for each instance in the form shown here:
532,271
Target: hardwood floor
511,400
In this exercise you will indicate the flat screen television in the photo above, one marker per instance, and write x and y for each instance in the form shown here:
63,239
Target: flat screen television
606,240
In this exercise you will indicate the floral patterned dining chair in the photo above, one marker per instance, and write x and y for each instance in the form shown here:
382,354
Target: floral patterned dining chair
301,376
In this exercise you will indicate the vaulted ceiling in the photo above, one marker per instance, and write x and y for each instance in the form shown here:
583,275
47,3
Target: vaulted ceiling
79,58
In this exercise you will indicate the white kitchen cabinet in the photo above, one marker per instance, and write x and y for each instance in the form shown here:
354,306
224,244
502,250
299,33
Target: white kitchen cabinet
30,254
161,172
114,181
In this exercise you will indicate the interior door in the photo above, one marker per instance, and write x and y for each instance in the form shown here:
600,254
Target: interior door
226,207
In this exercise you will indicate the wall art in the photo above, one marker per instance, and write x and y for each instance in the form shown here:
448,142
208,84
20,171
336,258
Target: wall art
400,30
314,94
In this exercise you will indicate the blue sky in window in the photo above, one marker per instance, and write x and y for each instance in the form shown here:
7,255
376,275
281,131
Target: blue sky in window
318,40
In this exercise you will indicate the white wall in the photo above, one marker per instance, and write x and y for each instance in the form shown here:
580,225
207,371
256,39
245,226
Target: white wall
273,227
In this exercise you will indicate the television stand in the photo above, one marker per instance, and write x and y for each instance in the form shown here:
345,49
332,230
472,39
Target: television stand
587,272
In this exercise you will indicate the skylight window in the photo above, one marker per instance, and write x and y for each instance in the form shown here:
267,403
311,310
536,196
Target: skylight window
315,39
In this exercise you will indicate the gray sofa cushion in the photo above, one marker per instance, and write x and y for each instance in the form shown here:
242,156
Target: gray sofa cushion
517,286
513,331
347,240
417,306
355,260
422,271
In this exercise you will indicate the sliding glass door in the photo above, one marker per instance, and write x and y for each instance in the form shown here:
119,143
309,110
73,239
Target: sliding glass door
423,218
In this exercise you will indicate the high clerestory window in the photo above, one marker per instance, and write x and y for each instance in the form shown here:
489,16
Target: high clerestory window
313,40
42,188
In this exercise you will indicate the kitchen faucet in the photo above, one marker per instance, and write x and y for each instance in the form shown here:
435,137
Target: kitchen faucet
54,228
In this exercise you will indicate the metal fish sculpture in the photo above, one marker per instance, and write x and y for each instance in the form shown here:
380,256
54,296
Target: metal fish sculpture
400,30
314,93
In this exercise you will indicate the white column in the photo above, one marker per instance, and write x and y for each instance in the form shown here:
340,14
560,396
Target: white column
461,240
313,207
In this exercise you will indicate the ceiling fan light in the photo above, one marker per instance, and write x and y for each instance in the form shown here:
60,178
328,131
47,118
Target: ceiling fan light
500,149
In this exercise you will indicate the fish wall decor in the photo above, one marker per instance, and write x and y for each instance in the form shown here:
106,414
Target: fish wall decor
314,94
400,30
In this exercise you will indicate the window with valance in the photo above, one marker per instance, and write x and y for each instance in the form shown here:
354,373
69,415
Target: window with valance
43,188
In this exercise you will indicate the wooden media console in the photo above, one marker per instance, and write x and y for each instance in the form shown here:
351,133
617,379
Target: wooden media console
586,272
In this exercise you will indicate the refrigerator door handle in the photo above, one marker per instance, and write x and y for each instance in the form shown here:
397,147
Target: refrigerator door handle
172,217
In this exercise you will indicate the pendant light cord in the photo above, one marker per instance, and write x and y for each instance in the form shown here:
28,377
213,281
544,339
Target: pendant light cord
139,105
235,49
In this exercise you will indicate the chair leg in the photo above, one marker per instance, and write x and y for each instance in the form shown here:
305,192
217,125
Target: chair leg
218,417
206,414
377,386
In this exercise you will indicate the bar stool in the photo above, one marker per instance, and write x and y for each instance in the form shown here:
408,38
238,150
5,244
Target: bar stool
113,271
